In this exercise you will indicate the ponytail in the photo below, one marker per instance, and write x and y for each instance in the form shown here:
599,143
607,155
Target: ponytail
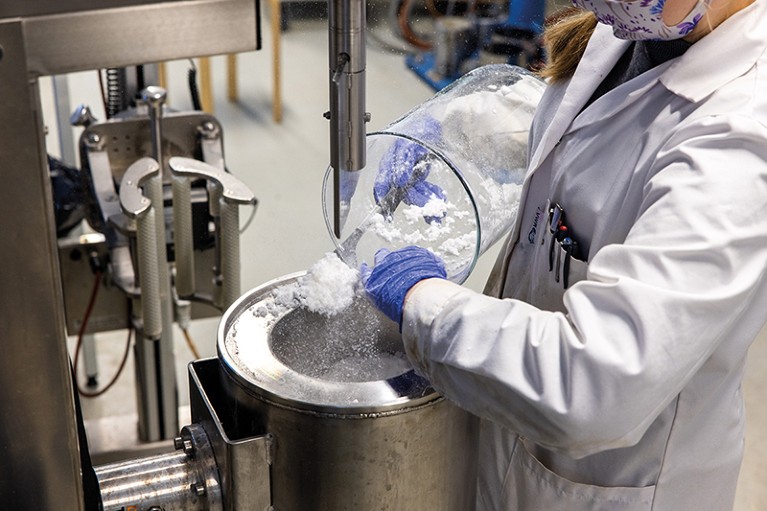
565,39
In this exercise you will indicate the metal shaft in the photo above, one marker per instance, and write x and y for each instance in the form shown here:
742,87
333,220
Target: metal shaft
154,97
346,28
183,236
185,480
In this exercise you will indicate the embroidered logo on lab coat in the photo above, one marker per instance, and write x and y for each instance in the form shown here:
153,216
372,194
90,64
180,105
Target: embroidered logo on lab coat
534,229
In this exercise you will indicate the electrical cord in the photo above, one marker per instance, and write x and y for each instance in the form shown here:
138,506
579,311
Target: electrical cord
194,92
103,92
78,345
190,343
250,219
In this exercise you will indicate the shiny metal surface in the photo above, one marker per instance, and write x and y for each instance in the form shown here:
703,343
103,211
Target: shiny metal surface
349,363
347,24
243,452
185,480
234,191
40,466
154,97
347,20
379,439
133,202
100,38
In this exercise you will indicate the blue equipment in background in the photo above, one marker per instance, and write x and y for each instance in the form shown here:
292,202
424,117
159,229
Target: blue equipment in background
476,37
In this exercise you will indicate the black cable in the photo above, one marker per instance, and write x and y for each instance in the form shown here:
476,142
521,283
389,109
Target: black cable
193,90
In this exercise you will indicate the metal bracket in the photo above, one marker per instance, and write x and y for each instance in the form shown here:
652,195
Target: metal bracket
233,190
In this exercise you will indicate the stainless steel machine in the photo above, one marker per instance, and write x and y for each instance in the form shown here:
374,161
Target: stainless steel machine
43,458
279,430
305,412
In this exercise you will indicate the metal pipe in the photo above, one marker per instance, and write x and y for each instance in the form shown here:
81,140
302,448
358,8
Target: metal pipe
154,97
165,417
185,480
346,30
183,238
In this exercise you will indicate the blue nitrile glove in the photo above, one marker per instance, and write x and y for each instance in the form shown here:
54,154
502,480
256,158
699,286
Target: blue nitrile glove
403,170
395,273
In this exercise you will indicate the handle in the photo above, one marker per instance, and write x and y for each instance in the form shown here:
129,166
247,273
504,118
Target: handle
145,172
228,193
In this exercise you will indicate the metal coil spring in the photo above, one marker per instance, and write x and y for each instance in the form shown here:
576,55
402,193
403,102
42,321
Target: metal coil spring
116,87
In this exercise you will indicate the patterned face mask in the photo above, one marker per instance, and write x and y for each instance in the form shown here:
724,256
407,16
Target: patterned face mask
641,19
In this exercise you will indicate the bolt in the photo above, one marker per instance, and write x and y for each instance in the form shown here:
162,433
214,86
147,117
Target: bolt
82,116
188,447
209,130
198,489
154,95
178,443
94,142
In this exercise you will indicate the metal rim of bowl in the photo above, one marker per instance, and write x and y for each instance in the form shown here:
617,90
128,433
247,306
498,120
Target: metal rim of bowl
276,382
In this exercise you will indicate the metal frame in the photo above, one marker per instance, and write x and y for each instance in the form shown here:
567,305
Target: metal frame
39,445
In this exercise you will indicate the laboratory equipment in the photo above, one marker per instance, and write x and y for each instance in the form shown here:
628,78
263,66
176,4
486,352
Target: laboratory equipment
467,35
475,160
45,459
304,411
130,166
347,116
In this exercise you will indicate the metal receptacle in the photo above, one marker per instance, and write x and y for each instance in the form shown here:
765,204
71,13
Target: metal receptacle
367,443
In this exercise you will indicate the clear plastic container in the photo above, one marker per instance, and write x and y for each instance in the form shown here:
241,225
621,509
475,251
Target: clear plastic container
446,176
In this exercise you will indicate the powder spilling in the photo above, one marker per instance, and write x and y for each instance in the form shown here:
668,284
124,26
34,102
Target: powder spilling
327,288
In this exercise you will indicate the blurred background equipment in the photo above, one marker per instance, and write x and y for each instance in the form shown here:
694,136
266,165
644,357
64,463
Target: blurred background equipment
452,37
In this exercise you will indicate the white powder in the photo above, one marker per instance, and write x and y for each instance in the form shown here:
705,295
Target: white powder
327,288
434,207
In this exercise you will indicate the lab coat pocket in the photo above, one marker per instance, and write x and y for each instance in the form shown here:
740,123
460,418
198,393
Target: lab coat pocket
530,486
562,271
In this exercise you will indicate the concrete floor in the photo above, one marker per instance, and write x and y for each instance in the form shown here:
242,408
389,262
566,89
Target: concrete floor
284,165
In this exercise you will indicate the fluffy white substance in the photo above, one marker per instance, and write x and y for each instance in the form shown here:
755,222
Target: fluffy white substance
328,288
434,207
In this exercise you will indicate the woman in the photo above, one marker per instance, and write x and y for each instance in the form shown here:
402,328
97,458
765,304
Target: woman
608,375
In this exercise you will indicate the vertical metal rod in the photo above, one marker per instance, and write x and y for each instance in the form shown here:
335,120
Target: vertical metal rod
166,414
154,97
61,100
90,362
183,239
166,390
346,33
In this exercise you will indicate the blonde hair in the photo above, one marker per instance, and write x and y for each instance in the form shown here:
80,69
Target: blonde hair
565,37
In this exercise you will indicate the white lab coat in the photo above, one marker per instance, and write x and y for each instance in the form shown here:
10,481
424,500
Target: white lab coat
622,392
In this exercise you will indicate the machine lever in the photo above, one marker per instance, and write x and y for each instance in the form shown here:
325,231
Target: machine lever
232,193
145,172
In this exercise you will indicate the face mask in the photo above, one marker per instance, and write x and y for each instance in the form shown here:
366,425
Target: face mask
641,19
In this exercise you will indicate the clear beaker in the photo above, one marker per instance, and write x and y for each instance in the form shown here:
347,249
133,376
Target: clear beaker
446,176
